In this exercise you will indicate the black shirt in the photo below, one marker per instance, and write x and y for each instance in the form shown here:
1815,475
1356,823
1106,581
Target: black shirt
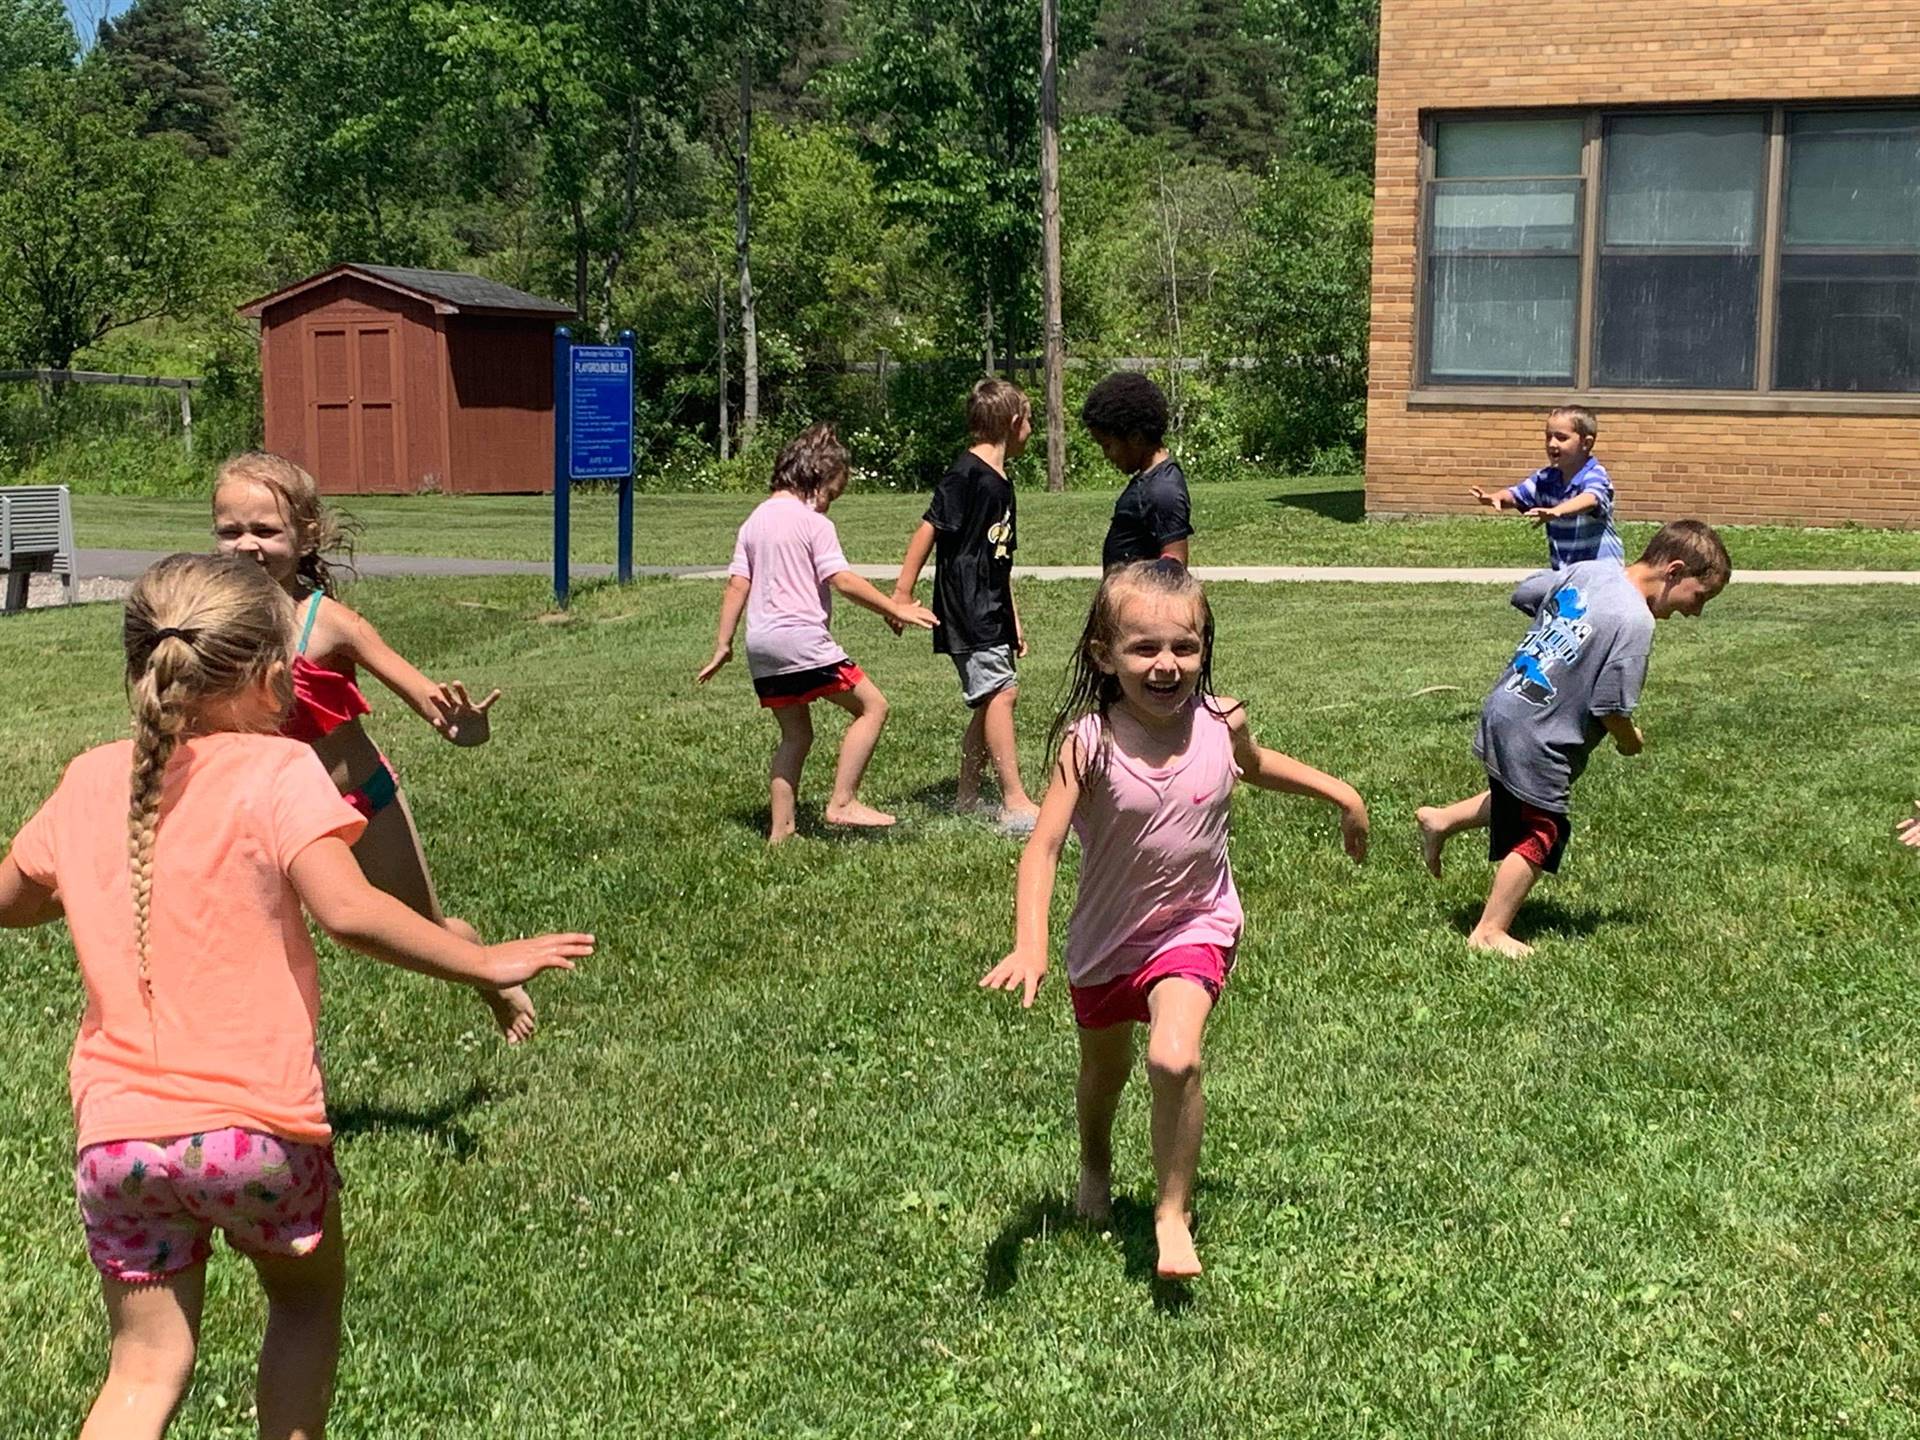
1151,514
972,518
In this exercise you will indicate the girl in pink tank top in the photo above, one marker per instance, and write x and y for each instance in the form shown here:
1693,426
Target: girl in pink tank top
1146,758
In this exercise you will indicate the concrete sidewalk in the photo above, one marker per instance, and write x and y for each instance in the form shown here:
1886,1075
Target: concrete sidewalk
127,565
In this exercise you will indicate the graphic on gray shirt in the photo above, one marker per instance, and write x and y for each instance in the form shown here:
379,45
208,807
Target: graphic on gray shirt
1585,657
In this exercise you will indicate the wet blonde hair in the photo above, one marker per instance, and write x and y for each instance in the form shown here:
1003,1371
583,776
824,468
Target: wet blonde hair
317,527
1092,690
199,629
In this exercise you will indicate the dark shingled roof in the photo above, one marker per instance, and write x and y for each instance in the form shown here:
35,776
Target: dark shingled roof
473,291
450,292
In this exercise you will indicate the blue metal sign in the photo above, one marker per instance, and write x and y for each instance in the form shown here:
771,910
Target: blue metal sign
600,432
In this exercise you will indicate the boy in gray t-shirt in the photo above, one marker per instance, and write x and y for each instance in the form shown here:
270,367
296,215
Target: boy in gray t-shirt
1574,680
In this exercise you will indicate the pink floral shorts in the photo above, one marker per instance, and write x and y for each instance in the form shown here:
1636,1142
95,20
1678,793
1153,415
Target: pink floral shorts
151,1206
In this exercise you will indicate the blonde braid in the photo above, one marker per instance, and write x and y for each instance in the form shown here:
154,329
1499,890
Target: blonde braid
200,632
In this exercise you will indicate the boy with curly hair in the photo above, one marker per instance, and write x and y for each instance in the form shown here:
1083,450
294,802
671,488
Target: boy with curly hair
1126,414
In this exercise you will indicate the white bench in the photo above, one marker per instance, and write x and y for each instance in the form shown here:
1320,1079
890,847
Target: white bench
36,535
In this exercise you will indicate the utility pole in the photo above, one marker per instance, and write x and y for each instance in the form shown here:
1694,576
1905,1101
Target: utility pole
1050,243
720,313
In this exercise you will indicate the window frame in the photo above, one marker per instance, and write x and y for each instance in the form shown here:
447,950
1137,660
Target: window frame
1763,398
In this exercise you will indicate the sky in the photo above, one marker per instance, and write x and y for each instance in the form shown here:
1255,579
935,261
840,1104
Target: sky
86,15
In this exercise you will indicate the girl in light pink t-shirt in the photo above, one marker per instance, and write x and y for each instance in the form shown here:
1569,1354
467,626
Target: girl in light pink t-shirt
196,1084
786,569
1146,758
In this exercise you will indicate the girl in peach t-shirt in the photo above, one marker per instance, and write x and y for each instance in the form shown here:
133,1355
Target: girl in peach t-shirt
196,1084
1147,757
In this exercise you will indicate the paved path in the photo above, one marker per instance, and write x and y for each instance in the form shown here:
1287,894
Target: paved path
127,564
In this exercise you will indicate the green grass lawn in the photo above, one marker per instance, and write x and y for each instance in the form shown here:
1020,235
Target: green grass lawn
774,1166
1305,520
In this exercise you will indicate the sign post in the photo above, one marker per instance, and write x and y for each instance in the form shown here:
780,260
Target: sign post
592,439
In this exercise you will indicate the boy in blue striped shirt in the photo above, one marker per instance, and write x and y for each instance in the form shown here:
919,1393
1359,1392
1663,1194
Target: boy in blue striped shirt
1570,495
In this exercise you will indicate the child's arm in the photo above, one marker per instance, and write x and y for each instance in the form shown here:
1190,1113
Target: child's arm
1019,630
733,604
1498,499
1584,501
1271,770
23,902
1025,966
919,546
448,708
1174,550
1627,735
330,884
907,612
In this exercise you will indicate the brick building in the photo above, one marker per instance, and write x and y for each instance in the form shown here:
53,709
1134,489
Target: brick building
1701,218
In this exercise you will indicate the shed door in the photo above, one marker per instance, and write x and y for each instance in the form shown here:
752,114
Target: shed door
354,419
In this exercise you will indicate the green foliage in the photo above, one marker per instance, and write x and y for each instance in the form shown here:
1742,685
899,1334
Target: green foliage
35,35
163,57
1302,302
1190,74
1332,49
99,228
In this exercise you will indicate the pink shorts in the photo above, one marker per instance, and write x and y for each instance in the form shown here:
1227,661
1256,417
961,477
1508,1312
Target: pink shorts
151,1206
1096,1007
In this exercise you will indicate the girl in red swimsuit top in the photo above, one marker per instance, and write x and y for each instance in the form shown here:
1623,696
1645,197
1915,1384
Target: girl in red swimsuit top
267,509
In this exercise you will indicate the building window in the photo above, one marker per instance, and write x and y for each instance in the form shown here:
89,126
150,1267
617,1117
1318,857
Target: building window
1711,231
1678,302
1850,253
1503,251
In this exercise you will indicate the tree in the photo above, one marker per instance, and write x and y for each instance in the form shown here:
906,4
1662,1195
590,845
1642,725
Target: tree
164,58
1188,73
1302,307
1331,60
99,228
34,37
945,96
344,117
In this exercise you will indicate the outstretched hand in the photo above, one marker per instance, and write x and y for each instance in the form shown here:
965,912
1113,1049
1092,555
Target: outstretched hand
1018,971
517,961
1908,830
459,719
1497,499
1540,514
721,655
912,612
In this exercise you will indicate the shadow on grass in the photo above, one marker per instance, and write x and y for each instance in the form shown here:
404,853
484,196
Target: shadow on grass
1343,507
1131,1228
441,1121
1549,918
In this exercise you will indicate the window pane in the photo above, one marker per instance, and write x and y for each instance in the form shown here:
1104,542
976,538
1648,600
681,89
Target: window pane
1500,319
1505,215
1685,180
1677,301
1682,320
1853,178
1488,148
1849,322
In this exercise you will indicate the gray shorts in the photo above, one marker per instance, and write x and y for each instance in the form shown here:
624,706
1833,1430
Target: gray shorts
984,673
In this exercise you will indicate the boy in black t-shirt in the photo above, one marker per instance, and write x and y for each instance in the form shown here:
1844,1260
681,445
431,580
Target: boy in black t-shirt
1126,414
969,528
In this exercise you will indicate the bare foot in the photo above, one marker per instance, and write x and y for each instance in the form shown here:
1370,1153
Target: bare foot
512,1011
858,814
779,834
1094,1201
1178,1259
1432,841
1501,942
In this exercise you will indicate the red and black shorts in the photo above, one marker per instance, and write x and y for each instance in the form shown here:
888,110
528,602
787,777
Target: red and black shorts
1537,836
803,687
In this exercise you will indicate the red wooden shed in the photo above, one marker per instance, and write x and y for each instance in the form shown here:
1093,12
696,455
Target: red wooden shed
385,381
